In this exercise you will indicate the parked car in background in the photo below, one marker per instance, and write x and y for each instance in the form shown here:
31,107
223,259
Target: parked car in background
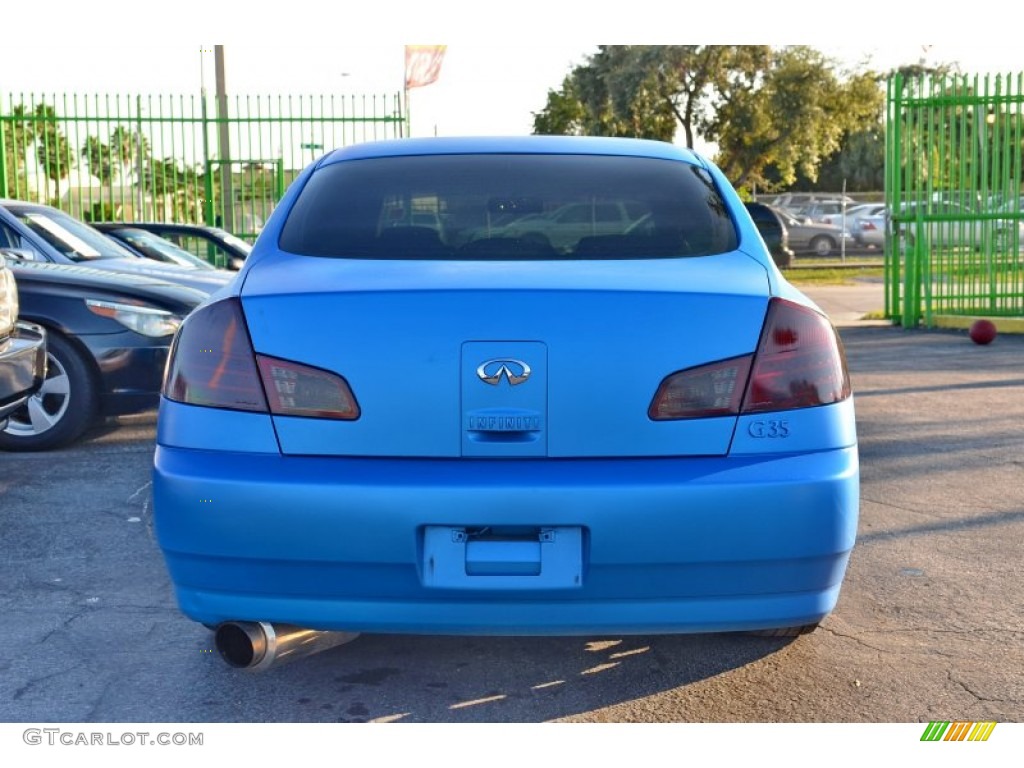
806,236
34,232
652,432
145,243
770,225
1009,233
108,335
957,229
852,215
22,350
564,226
870,230
821,210
211,244
793,201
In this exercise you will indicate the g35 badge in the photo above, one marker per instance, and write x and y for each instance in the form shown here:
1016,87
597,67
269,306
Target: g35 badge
770,428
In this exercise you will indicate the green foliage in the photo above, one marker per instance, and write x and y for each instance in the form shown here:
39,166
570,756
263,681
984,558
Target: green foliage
776,115
19,137
98,157
53,150
860,163
794,120
564,114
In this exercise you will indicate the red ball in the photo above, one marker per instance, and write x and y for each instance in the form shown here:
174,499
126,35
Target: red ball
983,331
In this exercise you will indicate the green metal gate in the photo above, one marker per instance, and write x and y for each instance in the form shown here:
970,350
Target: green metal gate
954,244
174,158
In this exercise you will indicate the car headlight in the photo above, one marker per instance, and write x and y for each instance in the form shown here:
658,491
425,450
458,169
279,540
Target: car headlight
149,321
8,301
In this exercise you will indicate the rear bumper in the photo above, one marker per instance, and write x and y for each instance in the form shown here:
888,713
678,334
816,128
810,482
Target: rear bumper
666,545
22,366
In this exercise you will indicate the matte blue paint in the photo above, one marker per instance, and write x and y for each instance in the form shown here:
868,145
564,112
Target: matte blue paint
702,534
214,429
611,334
711,524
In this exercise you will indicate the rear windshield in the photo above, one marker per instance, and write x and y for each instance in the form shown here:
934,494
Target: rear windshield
509,207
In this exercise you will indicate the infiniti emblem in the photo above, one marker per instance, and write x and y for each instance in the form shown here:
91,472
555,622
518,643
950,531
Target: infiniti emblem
515,371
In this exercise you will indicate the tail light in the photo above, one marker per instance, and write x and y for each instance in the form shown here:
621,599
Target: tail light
212,364
799,363
710,390
299,390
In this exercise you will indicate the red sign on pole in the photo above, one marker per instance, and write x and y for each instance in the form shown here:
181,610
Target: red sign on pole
422,64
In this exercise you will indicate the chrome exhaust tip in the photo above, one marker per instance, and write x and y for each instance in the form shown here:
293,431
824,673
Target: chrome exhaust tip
257,645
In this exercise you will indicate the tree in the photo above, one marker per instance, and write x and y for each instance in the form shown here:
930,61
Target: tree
774,114
611,95
19,136
97,156
859,163
793,120
647,91
564,114
53,150
692,81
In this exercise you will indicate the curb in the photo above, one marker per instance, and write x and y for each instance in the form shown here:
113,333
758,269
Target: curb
964,322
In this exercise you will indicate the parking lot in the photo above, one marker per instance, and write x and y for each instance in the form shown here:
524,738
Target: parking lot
929,625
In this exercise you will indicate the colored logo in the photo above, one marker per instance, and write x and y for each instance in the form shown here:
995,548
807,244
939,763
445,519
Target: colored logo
957,731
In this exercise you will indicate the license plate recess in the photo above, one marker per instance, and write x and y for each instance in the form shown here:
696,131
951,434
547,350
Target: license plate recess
495,558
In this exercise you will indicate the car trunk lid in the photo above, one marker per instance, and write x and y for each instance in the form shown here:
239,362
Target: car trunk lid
505,359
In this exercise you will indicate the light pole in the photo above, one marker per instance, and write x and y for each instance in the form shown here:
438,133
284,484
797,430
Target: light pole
224,142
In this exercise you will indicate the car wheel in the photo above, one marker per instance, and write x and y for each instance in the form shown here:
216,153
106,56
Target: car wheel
62,409
823,245
804,629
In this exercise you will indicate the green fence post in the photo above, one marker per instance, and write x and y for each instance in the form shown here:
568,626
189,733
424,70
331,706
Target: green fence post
912,285
3,156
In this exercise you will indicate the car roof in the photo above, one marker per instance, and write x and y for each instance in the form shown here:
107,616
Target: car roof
148,225
550,145
8,203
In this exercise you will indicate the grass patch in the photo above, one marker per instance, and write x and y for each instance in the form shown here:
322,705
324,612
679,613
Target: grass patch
799,276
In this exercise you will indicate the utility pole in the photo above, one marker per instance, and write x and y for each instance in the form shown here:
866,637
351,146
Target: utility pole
224,143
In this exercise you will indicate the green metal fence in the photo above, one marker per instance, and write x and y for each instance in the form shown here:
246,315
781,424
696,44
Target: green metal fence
954,149
183,159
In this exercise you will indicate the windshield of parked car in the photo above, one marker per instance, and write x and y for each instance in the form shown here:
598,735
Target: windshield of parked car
73,238
491,206
156,247
235,242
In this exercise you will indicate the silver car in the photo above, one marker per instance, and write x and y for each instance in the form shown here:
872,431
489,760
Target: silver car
806,236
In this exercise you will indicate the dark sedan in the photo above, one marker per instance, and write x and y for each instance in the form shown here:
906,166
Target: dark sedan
108,336
35,232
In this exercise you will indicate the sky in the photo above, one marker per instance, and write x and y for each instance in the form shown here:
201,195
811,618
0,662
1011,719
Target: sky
482,89
502,57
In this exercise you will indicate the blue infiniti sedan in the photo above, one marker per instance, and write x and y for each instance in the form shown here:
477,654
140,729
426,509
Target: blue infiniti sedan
414,414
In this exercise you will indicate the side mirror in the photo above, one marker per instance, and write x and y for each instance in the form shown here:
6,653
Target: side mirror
21,254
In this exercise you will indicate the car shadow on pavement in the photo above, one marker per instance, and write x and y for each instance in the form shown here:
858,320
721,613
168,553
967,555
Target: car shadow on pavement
388,678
